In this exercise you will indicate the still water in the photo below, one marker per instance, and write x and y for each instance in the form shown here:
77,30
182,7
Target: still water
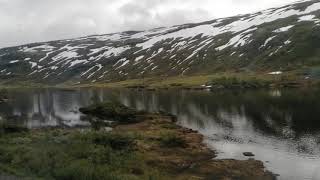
282,128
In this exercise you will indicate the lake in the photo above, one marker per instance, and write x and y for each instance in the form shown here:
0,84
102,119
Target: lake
281,127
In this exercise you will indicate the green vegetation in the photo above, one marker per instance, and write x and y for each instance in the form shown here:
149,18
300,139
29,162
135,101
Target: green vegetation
233,82
170,126
3,95
73,154
152,148
17,83
220,80
304,76
172,140
114,111
83,154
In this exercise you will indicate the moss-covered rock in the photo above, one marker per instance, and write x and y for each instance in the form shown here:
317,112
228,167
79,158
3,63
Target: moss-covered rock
113,111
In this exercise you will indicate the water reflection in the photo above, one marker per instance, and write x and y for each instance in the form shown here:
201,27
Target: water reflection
281,128
42,108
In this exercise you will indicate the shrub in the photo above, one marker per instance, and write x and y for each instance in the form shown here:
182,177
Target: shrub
237,83
81,156
170,126
172,140
115,141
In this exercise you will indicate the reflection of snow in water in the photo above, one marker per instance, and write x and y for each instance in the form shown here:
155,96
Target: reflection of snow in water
275,93
48,109
226,123
293,159
231,133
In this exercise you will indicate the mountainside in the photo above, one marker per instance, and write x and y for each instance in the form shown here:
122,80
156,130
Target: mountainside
278,39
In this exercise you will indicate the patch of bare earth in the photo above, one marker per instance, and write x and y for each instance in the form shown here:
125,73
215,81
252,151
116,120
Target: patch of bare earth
190,160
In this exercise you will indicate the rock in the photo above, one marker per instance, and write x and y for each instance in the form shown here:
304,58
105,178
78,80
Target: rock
188,131
137,171
248,154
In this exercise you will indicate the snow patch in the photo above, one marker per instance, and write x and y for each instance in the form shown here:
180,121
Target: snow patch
138,58
34,49
275,73
283,29
110,37
273,53
75,62
125,62
173,56
54,67
65,55
96,50
33,64
112,52
90,69
13,61
202,45
203,30
155,67
239,40
268,40
287,42
306,18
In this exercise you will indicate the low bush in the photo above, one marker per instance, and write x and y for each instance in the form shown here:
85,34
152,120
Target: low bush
237,83
67,155
170,126
113,140
172,140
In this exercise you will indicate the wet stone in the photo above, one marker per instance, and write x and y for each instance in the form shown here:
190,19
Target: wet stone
248,154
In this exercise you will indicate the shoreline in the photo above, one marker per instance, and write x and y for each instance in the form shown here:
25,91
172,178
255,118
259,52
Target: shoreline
203,164
159,145
218,81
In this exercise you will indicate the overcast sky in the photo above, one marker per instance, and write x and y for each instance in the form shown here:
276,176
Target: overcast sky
25,21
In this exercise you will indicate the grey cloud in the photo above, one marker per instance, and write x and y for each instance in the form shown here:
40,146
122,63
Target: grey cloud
25,21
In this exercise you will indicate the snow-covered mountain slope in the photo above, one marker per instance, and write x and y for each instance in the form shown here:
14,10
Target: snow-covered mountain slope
282,38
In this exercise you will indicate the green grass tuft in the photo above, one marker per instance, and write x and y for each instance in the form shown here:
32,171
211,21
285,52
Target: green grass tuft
172,140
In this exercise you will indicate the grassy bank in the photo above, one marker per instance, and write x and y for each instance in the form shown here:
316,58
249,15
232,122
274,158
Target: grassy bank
152,148
221,79
245,80
3,95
